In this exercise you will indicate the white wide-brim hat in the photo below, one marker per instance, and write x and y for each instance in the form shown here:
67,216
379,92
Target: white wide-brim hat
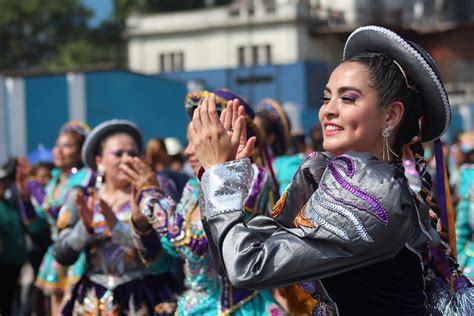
420,68
91,146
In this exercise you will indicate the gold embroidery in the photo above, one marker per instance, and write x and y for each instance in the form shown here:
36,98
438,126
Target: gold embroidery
165,308
279,205
300,220
63,219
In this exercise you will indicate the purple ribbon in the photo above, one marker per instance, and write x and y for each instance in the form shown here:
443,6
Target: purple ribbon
257,188
440,182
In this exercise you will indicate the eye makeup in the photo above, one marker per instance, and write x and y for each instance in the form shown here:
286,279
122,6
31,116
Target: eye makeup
325,99
120,153
350,97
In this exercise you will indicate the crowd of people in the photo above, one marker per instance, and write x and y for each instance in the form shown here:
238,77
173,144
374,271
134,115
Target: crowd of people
248,219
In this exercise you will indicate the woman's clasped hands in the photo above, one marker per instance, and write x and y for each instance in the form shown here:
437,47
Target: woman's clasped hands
220,139
141,176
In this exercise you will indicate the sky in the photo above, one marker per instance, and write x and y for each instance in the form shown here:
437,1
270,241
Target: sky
102,9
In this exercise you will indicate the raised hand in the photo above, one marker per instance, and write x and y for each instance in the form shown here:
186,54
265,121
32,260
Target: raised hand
85,208
138,173
217,140
246,146
108,213
140,221
23,171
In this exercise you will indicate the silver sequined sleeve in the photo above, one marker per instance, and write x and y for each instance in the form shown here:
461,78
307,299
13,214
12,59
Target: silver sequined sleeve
225,188
360,214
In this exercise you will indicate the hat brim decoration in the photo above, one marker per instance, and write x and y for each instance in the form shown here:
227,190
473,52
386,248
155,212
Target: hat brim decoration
225,95
76,126
93,141
193,100
278,116
420,68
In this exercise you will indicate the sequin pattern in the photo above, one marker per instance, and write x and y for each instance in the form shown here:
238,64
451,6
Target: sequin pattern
341,208
348,167
313,213
309,286
225,185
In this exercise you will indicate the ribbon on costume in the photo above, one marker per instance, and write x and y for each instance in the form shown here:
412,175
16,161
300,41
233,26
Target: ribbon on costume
444,196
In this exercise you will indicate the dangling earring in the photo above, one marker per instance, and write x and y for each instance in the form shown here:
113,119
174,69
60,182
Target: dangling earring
100,177
386,150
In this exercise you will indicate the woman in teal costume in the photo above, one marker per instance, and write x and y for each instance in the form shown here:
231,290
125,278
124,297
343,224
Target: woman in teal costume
115,282
465,211
275,125
40,207
181,234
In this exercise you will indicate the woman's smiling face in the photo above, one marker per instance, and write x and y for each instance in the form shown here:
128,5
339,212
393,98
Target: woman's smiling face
66,152
350,113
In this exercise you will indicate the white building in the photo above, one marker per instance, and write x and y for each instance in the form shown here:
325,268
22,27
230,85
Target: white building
255,32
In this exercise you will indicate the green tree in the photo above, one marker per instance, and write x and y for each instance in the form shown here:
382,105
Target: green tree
125,7
30,31
51,35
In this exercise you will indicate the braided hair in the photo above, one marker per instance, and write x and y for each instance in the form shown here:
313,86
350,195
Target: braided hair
392,83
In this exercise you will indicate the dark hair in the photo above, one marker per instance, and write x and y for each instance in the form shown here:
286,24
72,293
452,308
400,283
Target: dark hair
9,169
156,151
43,164
271,127
79,138
391,85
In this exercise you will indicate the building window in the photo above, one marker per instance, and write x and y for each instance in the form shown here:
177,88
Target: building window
268,54
171,62
251,10
254,55
241,55
255,50
234,13
270,6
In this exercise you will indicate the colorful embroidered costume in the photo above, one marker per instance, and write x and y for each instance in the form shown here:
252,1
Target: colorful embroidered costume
182,235
43,211
115,279
465,220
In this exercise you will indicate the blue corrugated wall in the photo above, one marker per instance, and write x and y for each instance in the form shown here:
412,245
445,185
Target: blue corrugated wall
155,104
46,106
